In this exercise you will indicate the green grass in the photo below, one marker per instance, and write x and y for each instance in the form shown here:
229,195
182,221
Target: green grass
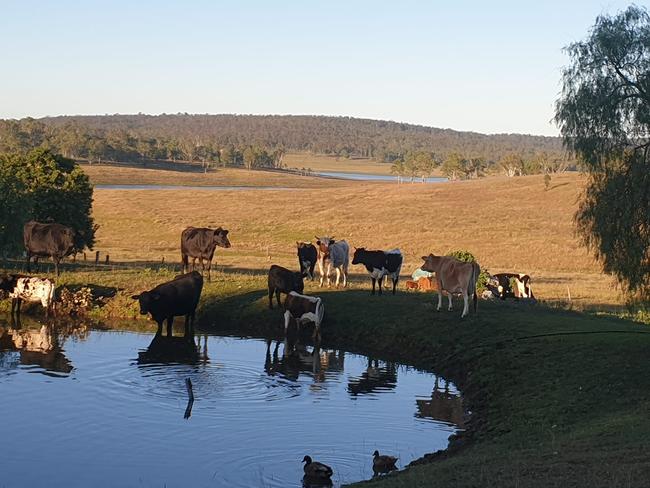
557,398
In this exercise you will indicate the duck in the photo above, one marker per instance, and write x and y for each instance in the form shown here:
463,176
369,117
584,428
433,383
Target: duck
316,470
383,463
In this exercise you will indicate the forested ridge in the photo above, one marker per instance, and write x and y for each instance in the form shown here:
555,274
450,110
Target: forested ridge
205,137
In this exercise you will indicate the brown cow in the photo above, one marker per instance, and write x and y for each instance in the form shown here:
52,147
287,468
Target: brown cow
454,276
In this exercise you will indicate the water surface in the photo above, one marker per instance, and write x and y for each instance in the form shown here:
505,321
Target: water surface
369,177
106,408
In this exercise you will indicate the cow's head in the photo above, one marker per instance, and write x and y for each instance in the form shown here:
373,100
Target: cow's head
358,253
148,300
298,284
324,243
430,263
220,237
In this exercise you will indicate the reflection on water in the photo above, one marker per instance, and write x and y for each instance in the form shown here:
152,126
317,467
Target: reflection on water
121,415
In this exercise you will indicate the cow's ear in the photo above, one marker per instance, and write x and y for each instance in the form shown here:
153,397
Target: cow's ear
135,297
424,258
225,232
217,230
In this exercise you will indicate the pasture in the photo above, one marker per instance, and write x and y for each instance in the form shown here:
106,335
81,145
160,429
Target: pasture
556,397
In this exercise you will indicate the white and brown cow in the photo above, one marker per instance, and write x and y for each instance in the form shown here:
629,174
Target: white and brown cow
303,309
454,276
29,289
504,285
333,254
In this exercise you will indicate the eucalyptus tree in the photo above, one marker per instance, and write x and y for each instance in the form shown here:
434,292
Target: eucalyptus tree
604,117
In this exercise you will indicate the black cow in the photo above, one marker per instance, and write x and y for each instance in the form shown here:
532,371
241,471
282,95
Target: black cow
48,240
307,258
504,281
380,264
281,280
200,242
177,297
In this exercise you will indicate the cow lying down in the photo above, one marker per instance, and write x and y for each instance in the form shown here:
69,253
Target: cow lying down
28,289
303,309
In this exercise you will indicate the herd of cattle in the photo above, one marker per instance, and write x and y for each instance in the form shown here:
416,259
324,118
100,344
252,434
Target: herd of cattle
180,296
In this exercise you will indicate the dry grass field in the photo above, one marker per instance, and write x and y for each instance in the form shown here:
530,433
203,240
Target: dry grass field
125,175
509,225
322,162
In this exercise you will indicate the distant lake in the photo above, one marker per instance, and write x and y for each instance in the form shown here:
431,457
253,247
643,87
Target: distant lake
369,177
182,187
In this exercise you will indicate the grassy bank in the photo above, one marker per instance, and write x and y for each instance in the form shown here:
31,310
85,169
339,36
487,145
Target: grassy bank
557,398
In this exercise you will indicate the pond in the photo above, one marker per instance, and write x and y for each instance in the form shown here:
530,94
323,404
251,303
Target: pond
90,407
369,177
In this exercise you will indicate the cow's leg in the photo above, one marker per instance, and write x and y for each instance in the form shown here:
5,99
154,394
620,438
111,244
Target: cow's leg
184,263
345,276
29,257
395,280
311,271
287,318
170,322
465,304
19,302
439,299
209,269
56,265
373,285
159,331
450,303
321,271
338,276
277,297
379,283
271,291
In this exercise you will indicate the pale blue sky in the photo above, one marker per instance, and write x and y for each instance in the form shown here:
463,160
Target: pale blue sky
490,67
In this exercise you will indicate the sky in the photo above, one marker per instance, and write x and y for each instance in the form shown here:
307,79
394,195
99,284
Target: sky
490,67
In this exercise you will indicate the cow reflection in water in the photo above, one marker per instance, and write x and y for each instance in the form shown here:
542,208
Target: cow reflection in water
443,406
40,345
171,349
375,378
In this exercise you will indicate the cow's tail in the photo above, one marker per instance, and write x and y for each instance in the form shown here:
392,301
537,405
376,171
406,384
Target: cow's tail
473,282
320,311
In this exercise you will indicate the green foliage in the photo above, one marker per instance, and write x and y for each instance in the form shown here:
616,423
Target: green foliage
468,257
604,118
44,187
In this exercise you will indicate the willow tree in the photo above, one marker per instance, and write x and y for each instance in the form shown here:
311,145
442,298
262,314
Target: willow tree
604,117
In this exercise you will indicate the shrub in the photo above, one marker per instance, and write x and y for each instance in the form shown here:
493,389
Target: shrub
468,257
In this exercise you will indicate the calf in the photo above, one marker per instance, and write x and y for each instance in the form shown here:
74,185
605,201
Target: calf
307,258
334,254
522,288
303,309
200,243
168,300
281,280
380,264
48,240
29,289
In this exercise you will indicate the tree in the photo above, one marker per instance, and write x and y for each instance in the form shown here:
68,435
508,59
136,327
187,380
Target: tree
398,169
512,164
604,118
453,165
52,189
15,210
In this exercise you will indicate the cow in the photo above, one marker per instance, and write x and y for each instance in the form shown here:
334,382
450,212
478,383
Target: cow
29,289
503,283
380,264
454,276
334,254
304,309
179,296
307,258
281,280
48,240
200,243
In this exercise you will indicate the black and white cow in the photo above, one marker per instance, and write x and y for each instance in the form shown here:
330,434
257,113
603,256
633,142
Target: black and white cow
333,254
172,299
307,258
200,243
303,309
503,282
281,280
48,240
29,289
380,264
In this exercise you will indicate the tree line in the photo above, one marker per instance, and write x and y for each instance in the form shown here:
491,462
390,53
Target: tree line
257,141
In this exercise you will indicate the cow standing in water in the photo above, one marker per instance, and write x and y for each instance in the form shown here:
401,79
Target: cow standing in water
454,276
48,240
334,254
171,299
380,264
200,243
28,289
